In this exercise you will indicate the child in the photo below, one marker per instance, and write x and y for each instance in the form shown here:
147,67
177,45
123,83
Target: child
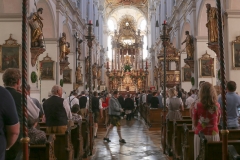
75,116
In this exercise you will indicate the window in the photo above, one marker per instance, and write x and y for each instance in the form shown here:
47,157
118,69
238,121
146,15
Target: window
143,25
111,25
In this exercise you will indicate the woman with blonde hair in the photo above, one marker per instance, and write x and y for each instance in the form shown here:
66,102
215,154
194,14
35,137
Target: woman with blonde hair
206,116
174,105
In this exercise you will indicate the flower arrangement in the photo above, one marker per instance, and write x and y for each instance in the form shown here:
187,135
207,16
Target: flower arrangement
192,81
61,82
127,68
33,77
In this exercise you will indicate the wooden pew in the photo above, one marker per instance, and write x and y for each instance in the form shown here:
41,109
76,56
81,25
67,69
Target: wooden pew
169,133
233,154
234,134
77,140
208,149
187,143
185,112
177,139
154,118
63,145
85,136
43,152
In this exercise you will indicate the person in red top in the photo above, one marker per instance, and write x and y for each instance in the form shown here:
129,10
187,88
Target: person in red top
106,109
206,116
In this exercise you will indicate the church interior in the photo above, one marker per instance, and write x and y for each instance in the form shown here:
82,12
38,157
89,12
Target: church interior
129,46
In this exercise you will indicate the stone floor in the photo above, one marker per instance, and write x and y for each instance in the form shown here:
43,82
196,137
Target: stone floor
141,143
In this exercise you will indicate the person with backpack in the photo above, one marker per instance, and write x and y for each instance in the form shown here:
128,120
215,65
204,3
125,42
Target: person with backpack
72,99
83,103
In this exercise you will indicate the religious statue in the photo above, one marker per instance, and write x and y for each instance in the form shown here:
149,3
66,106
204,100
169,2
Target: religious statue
94,70
99,72
79,51
139,83
189,45
127,59
212,23
64,47
36,25
78,74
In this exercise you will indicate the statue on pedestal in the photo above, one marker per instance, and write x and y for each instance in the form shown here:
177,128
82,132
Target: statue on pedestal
78,74
64,47
212,23
94,70
189,45
36,25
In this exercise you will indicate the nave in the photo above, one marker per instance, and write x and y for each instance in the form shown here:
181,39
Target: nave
142,144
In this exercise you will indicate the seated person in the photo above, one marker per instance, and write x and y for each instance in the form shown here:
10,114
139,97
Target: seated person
36,136
75,116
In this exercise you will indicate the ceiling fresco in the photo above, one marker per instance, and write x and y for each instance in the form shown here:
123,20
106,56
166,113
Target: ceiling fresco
111,5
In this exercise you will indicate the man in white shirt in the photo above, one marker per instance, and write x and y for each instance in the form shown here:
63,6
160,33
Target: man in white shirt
72,99
144,97
189,100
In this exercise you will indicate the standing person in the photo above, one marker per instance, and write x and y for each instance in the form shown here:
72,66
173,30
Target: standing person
114,112
83,103
107,109
121,101
144,98
206,116
174,105
32,109
96,109
129,106
57,111
149,97
72,99
9,123
160,100
12,82
233,103
154,101
189,100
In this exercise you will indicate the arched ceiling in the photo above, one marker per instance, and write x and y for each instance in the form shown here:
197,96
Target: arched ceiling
113,5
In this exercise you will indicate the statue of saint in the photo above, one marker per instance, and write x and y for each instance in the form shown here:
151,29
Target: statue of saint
94,70
189,45
79,51
127,59
78,74
36,25
212,23
64,47
99,72
155,72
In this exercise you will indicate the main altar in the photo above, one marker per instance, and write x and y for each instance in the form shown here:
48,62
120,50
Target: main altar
126,71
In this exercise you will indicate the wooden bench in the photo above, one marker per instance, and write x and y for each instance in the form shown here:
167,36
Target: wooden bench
77,140
63,147
154,118
43,152
234,134
232,153
169,133
177,139
187,143
208,149
186,112
85,136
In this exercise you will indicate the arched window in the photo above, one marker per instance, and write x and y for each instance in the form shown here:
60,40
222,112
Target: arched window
111,25
143,25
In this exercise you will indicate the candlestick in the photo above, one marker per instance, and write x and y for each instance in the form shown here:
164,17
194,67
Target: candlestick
146,63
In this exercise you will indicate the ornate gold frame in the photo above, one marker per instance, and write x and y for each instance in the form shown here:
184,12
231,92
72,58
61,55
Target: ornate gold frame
206,57
183,73
70,71
47,59
235,46
10,43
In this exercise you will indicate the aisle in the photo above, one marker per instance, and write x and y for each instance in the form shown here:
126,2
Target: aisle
141,144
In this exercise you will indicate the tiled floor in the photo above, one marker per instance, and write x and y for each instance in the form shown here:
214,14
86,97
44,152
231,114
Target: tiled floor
141,143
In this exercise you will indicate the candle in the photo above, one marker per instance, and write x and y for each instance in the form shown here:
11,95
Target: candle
90,22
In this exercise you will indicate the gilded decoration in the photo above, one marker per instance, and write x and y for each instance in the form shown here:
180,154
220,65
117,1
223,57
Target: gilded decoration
10,54
206,66
186,73
236,53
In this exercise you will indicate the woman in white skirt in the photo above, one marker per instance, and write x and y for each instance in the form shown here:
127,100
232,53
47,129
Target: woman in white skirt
206,116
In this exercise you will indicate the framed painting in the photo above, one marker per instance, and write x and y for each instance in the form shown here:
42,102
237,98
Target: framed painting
10,54
206,66
236,53
186,73
47,68
67,75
